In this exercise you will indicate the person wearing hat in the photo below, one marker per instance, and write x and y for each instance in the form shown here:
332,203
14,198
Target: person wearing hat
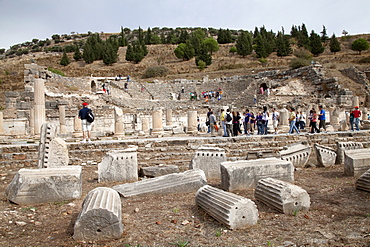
356,117
86,126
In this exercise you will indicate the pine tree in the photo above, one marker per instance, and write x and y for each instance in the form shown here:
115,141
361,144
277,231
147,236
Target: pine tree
211,45
88,54
196,39
77,55
334,44
140,36
148,37
184,36
282,45
110,53
261,46
129,53
303,39
324,36
244,43
360,45
65,60
204,56
315,44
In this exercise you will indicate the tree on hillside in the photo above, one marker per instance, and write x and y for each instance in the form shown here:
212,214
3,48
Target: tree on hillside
110,55
316,46
65,60
244,43
303,39
211,45
263,47
88,54
203,55
77,55
224,36
197,38
185,51
324,36
360,45
334,44
283,45
122,39
184,36
129,53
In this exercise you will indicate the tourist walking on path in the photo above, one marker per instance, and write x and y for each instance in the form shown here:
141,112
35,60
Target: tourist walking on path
86,126
275,120
292,120
208,120
322,118
229,123
300,120
356,118
313,122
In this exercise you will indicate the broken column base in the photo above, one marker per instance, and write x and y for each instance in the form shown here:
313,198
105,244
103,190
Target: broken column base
100,217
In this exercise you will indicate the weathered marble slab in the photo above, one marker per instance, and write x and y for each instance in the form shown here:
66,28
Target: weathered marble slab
209,159
325,156
298,154
33,186
356,162
363,182
244,174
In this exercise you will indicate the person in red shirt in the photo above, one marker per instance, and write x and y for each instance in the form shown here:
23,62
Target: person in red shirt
356,115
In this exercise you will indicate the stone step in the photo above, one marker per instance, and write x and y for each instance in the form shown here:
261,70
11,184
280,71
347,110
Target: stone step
230,209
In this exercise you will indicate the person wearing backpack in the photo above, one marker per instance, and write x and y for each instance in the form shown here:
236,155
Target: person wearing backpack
86,125
229,123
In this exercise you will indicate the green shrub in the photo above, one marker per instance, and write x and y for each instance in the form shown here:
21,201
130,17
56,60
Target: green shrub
232,66
296,63
201,65
155,71
233,50
56,71
302,53
364,60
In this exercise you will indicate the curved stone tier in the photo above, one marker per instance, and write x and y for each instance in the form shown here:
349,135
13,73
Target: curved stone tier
282,196
230,209
100,217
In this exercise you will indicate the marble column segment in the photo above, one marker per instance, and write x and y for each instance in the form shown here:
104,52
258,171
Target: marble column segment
363,182
118,122
185,182
39,106
62,119
168,117
1,123
145,125
100,217
157,122
282,196
232,210
192,122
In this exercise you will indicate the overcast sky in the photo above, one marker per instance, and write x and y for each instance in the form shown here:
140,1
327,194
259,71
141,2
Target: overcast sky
24,20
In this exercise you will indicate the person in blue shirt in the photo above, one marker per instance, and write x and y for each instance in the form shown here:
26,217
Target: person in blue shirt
86,126
322,118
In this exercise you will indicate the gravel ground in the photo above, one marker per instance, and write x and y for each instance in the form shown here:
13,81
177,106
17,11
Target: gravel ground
339,216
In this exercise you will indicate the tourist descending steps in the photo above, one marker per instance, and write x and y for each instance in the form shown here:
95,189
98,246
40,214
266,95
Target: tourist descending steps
292,120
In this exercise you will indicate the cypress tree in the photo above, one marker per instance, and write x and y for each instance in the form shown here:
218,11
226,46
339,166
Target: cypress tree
88,54
129,53
77,55
315,44
282,45
303,39
334,44
122,39
65,60
244,43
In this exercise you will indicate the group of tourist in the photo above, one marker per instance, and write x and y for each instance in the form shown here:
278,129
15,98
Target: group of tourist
212,95
231,122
